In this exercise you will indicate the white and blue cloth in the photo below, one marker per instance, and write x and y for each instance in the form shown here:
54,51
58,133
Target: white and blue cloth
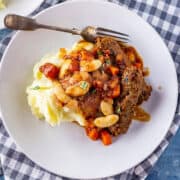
164,16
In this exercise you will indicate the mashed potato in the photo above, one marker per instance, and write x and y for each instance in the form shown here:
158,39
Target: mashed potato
40,94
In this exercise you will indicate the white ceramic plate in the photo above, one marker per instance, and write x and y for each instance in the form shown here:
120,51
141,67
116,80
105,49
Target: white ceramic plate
66,150
21,7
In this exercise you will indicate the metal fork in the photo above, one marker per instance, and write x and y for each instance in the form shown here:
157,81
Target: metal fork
89,33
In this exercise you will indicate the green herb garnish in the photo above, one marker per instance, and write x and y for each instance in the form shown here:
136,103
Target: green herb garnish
108,62
99,53
118,110
36,88
94,91
84,85
40,88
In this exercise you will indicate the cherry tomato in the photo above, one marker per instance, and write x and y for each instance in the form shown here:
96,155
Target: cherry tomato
49,70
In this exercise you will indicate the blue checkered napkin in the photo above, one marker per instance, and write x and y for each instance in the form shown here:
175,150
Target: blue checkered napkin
163,16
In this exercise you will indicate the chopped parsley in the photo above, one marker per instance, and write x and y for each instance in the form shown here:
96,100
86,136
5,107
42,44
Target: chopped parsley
40,88
94,91
108,62
36,88
118,110
84,85
99,53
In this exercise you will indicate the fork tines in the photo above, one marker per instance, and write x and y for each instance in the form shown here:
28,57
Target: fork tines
111,33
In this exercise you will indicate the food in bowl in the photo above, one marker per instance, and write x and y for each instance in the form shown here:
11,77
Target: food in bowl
100,86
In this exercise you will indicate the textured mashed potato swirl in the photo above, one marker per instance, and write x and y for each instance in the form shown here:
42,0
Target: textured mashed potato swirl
40,95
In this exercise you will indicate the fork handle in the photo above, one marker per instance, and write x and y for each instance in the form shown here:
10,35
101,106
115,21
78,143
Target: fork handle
16,22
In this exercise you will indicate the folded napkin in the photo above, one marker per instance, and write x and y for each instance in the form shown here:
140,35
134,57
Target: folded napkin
164,17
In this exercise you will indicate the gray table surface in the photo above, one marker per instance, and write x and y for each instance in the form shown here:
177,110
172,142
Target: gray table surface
168,166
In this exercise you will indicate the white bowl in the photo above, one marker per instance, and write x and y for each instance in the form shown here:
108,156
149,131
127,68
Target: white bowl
66,150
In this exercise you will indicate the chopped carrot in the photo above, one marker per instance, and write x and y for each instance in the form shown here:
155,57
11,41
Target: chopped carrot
116,91
92,133
106,137
98,84
138,65
114,70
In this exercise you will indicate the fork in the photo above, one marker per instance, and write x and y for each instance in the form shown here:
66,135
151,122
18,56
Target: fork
89,33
